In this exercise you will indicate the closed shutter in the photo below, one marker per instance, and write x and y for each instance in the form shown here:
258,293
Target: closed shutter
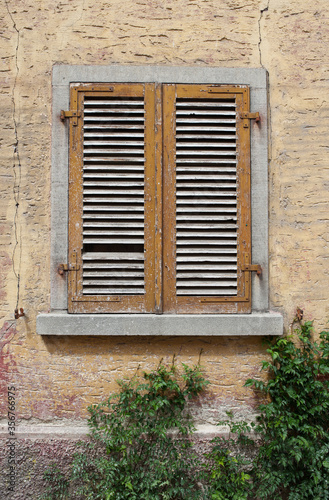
111,237
159,199
207,224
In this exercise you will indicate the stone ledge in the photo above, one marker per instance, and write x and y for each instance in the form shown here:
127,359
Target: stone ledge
77,431
257,323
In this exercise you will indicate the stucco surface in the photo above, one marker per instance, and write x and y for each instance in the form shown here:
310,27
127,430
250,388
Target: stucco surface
57,377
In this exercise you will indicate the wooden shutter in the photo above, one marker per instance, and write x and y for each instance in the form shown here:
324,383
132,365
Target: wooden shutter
207,199
159,199
111,199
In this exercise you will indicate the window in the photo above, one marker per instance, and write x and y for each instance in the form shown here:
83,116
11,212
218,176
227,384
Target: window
159,198
195,230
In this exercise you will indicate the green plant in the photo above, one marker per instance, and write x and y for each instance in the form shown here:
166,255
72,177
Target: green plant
140,448
227,473
57,483
292,431
293,459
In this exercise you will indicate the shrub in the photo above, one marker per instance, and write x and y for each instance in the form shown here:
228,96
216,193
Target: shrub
292,430
143,432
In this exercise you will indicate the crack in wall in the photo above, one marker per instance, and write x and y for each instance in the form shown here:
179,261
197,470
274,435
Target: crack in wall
265,9
17,169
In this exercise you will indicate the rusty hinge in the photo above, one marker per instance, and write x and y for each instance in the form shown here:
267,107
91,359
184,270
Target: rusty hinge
249,116
20,313
64,268
70,114
250,267
257,268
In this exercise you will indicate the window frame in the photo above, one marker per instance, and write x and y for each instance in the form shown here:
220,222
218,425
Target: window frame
260,321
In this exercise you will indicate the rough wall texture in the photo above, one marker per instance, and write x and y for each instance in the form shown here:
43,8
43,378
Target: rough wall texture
57,378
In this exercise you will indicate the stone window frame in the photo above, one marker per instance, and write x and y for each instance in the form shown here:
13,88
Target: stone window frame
260,321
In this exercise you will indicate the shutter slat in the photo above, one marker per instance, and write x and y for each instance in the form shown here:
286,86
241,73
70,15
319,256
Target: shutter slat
111,240
108,226
205,283
204,104
202,241
113,216
212,276
113,102
204,128
204,153
89,119
109,231
114,135
206,160
109,256
208,217
105,208
194,112
120,274
210,178
195,169
204,292
112,110
111,127
110,168
205,267
118,282
114,159
110,183
213,144
130,144
93,150
197,136
206,254
196,200
113,291
100,267
110,176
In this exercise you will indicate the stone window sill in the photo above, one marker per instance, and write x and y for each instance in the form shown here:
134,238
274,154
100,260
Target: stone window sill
257,323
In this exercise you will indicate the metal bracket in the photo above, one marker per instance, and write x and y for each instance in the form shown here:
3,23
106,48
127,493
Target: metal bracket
70,114
19,314
257,268
249,116
64,268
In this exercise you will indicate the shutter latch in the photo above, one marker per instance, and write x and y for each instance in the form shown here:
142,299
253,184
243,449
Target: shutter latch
249,116
70,114
64,268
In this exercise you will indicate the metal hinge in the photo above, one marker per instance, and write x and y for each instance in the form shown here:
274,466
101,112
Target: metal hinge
70,114
64,268
249,116
255,268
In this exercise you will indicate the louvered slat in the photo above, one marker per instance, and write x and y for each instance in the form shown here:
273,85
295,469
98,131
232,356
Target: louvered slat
206,197
113,196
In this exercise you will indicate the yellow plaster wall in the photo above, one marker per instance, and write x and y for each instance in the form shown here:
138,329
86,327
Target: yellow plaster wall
59,377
